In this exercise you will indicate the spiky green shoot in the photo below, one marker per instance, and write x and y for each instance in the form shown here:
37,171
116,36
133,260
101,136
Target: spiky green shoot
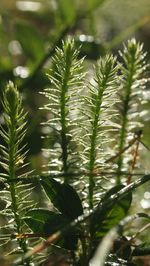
99,111
66,80
13,154
132,84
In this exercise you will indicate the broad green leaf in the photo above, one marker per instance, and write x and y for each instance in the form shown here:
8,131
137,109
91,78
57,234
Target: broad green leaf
37,218
57,222
64,198
30,40
102,222
45,222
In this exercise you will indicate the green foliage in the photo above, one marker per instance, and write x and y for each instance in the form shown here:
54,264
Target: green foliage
64,198
13,155
121,246
93,132
103,222
66,201
97,110
44,221
90,123
133,83
66,78
142,249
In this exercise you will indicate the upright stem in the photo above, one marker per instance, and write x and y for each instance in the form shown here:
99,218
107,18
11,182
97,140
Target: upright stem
102,87
13,110
64,144
63,113
93,157
12,174
125,120
105,84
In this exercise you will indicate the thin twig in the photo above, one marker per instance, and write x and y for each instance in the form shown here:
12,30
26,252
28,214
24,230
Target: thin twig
36,179
139,232
133,164
135,155
136,137
144,145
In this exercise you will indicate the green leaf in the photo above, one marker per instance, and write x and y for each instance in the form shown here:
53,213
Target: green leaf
57,222
46,222
30,40
64,198
68,10
37,218
102,222
142,250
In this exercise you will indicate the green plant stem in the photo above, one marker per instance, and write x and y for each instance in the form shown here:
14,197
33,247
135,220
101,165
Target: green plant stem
93,155
63,113
122,138
12,167
102,87
12,174
64,144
